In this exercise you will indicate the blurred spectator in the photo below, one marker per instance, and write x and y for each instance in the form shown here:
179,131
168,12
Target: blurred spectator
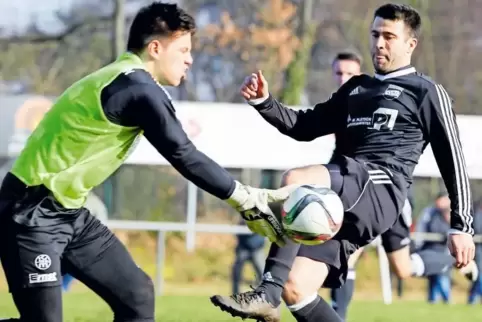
436,219
475,291
441,201
250,247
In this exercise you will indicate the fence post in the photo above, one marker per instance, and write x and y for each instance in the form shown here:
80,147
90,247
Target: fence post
161,255
192,191
386,282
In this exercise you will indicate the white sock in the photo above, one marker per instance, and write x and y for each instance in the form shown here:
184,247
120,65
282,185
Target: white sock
303,303
418,267
351,274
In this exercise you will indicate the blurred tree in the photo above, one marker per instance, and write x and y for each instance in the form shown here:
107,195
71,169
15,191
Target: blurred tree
296,73
241,36
91,34
448,49
119,17
244,37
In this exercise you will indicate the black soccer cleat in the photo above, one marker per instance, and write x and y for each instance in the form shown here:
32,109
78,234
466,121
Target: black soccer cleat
248,305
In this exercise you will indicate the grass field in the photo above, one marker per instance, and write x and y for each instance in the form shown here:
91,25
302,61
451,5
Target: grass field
86,307
190,278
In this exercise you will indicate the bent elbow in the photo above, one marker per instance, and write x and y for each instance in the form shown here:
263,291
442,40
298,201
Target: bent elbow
301,136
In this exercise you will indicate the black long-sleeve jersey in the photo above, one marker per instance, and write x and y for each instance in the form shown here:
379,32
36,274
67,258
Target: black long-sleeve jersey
134,99
388,120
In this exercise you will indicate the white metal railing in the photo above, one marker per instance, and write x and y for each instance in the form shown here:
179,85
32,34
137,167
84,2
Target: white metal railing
162,227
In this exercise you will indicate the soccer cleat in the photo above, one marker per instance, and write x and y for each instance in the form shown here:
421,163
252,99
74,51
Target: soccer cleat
248,305
471,272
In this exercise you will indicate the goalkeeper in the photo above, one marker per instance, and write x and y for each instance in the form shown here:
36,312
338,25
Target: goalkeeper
82,140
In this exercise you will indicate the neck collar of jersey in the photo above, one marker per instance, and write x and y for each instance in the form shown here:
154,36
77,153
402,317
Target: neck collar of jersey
397,73
130,57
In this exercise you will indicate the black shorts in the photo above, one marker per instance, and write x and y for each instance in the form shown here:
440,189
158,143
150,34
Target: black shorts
398,236
373,201
39,238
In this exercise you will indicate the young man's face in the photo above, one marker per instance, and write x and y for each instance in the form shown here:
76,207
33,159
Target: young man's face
343,70
391,44
172,58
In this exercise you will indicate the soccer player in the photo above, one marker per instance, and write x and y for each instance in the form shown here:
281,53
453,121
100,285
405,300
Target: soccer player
396,240
382,124
45,230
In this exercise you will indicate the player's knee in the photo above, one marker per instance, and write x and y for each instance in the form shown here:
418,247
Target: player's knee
144,299
401,268
400,262
402,271
305,279
140,302
292,291
315,174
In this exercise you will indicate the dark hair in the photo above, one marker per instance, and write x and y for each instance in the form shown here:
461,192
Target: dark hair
158,19
345,55
410,16
441,194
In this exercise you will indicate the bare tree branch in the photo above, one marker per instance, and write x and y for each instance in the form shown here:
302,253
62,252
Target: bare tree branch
43,38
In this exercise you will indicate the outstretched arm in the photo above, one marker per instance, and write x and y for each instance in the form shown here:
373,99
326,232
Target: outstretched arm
132,100
155,115
325,118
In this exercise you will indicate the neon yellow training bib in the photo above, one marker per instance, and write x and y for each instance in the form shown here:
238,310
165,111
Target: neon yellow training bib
75,147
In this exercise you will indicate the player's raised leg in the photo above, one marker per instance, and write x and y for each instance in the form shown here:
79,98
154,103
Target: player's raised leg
372,203
280,259
364,189
263,302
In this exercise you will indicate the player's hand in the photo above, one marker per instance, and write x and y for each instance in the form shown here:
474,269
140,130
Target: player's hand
462,248
254,206
255,86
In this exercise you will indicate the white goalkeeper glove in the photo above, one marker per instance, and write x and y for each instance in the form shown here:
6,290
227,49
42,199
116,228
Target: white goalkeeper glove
254,206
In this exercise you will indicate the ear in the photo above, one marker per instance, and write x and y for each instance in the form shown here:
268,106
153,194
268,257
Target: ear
154,48
412,44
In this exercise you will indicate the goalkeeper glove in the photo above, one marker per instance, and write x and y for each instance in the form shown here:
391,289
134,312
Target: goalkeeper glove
253,205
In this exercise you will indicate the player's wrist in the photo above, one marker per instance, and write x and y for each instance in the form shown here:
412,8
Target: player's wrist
258,101
454,231
239,196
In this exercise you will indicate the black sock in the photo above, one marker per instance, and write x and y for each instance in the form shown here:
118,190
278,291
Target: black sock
316,311
341,297
277,269
429,262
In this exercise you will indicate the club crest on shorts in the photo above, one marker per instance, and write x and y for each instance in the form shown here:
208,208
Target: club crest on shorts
392,92
42,262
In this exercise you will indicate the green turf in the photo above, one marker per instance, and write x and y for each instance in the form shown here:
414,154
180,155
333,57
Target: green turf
83,307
